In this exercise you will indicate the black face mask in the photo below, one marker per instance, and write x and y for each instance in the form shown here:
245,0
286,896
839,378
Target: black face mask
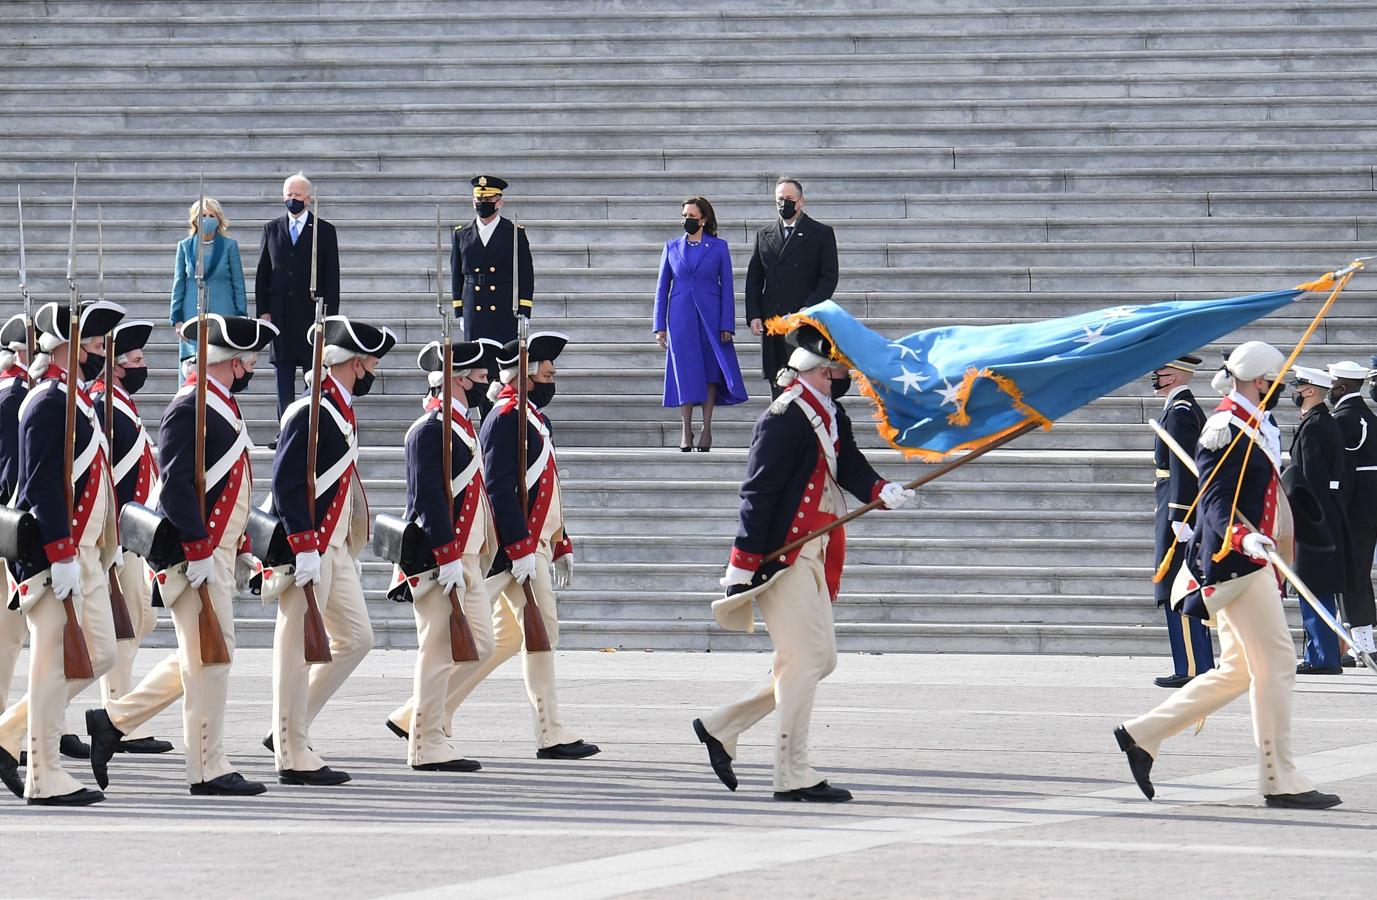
840,386
1272,403
1156,381
542,393
475,395
92,366
1297,398
691,226
364,384
134,379
485,208
295,206
1333,397
787,209
238,384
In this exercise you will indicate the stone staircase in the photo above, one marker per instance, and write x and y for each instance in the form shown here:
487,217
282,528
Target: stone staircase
980,165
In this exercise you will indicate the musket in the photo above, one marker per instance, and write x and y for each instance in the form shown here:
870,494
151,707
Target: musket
537,638
462,647
1274,557
214,650
29,337
119,610
315,641
76,658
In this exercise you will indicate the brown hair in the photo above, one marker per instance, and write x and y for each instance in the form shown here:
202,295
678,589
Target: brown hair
706,211
785,179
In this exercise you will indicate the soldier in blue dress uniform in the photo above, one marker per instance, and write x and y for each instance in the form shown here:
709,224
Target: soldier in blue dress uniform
214,544
1174,488
803,454
75,560
326,547
480,265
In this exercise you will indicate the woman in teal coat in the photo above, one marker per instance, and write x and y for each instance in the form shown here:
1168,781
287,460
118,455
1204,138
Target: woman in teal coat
224,272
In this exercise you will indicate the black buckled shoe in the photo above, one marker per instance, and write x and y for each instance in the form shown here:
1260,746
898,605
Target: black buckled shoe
231,784
145,745
450,765
105,740
1308,669
398,730
571,750
822,792
1307,800
79,797
718,756
73,747
9,773
1172,681
322,777
1139,761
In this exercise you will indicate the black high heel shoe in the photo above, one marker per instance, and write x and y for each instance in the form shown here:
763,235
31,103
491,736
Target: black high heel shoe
685,448
704,442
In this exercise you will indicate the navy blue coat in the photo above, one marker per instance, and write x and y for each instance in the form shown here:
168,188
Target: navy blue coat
14,387
1358,427
1317,461
783,456
1174,491
426,503
481,280
177,462
289,471
126,432
498,440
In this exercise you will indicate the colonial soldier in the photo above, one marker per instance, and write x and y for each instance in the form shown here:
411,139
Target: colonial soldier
326,547
213,543
480,265
460,533
75,560
535,549
14,387
1317,465
1227,577
1175,487
1358,426
803,454
134,470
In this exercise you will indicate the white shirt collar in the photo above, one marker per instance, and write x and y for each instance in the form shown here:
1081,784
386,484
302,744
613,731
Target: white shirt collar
211,379
827,404
1269,429
485,231
457,402
1347,397
344,392
301,219
1171,395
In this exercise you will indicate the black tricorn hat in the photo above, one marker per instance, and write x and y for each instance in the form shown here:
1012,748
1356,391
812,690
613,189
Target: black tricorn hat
131,335
358,337
98,317
1311,529
491,351
15,331
543,346
466,355
232,332
811,339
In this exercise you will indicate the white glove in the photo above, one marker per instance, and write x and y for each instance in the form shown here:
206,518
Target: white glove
1256,545
523,569
563,571
894,496
451,575
66,577
244,570
1183,531
118,564
307,568
736,575
198,571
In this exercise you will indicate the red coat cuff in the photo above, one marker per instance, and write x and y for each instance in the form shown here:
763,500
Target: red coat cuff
60,549
563,547
875,491
449,552
524,547
201,549
743,560
1236,536
303,542
245,544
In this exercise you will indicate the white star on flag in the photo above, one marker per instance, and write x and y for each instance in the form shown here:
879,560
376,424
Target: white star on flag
949,392
1120,312
904,350
908,379
1092,336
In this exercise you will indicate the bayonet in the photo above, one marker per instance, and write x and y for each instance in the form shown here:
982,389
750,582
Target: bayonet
24,280
100,252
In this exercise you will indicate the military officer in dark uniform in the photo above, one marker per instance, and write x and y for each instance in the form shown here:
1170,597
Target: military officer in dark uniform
1358,426
480,265
803,453
1317,465
1174,487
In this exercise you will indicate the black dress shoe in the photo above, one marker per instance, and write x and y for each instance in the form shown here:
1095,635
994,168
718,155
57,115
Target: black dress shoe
822,792
73,747
1348,661
1139,761
450,765
231,784
398,730
1172,681
145,745
272,444
1307,669
79,797
9,773
105,740
718,756
571,750
1308,800
316,777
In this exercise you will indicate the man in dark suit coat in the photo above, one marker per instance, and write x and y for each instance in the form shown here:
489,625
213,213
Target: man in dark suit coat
1358,426
282,286
793,265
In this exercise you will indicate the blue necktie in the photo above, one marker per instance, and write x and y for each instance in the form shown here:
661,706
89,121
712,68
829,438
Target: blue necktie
296,229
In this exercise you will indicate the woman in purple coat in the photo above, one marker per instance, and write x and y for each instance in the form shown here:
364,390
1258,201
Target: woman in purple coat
695,319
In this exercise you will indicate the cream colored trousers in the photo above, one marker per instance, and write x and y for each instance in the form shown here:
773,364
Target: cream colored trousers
138,599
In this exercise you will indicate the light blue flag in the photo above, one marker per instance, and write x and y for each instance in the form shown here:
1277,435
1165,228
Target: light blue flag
962,386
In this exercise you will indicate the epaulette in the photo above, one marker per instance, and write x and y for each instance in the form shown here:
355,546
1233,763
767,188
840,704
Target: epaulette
1215,435
781,403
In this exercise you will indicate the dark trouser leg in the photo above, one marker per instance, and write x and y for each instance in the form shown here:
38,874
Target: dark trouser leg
286,385
1321,643
1358,601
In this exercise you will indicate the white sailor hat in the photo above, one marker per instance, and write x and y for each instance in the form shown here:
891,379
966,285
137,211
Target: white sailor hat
1317,377
1350,370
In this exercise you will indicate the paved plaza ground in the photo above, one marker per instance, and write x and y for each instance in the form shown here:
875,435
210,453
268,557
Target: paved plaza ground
975,776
